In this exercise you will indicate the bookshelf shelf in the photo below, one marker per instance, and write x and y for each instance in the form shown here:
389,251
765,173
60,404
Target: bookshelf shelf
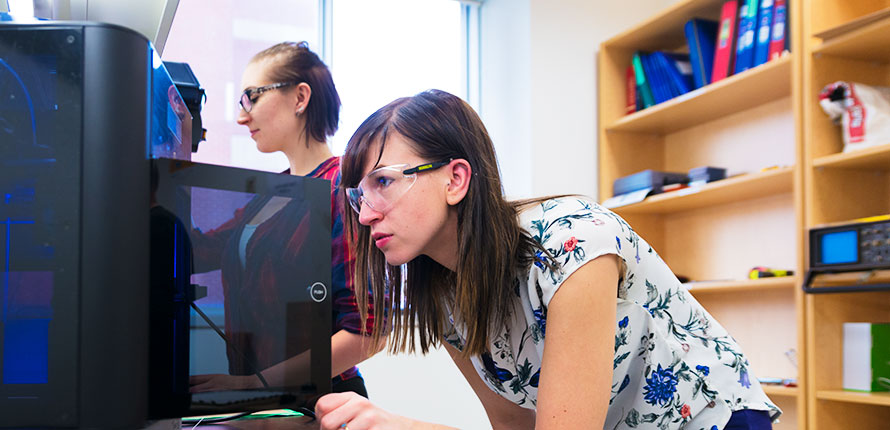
666,28
742,187
874,158
877,399
867,43
707,287
780,391
768,82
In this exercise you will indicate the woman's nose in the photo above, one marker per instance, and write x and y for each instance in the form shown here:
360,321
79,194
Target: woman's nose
367,215
243,116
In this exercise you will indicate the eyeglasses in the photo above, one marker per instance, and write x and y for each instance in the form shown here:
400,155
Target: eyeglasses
250,95
381,188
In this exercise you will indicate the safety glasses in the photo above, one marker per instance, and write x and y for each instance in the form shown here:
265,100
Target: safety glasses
381,188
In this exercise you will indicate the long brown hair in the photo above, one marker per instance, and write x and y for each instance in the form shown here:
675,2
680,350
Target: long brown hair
491,244
294,62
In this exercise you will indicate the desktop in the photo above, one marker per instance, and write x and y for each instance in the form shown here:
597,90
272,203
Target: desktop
105,308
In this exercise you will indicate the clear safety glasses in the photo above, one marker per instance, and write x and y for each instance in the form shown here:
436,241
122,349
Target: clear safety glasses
381,188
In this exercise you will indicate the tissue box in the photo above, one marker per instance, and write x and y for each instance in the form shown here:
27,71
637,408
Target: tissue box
867,357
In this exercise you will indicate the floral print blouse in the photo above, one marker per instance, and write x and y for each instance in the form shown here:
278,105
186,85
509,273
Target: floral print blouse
674,365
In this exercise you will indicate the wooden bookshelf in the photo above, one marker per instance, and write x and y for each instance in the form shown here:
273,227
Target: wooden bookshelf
848,41
749,124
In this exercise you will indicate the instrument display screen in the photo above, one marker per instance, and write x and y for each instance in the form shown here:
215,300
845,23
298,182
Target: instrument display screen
839,247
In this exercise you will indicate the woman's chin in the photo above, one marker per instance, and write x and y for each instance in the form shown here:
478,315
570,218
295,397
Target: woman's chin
264,150
395,260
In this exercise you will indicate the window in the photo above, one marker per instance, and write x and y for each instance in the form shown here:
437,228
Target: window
385,49
378,50
217,38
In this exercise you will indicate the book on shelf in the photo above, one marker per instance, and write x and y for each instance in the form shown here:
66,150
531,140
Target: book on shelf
866,356
725,49
642,84
678,70
763,33
653,77
778,40
700,37
744,52
631,100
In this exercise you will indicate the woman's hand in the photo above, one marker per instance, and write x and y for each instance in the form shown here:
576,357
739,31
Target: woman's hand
218,382
350,411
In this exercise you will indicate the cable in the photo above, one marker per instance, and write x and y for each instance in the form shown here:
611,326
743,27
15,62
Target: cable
215,420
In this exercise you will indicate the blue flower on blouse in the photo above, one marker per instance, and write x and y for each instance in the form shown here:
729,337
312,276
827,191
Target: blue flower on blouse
533,381
714,428
498,373
622,323
539,317
743,379
617,239
539,258
660,387
705,370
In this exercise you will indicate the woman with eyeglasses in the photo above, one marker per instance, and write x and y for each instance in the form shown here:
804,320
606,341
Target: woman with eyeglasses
556,312
289,104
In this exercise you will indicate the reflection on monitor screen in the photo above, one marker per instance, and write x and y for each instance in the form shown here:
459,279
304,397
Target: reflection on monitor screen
225,240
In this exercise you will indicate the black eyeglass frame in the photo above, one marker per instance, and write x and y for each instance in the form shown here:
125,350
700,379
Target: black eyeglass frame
253,94
428,166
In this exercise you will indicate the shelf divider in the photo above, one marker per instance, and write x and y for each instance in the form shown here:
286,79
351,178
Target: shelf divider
778,283
875,157
867,43
767,82
878,399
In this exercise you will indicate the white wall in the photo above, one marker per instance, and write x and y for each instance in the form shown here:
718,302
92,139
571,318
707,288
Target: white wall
539,87
505,81
538,101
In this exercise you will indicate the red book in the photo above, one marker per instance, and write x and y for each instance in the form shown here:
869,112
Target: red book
777,38
630,103
725,46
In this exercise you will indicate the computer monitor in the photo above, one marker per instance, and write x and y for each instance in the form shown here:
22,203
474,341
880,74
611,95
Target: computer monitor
90,336
249,253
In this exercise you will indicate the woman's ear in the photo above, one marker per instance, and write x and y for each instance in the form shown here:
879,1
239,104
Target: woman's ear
303,94
460,174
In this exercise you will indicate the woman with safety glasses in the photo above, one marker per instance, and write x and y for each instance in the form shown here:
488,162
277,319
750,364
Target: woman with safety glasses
289,104
556,312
